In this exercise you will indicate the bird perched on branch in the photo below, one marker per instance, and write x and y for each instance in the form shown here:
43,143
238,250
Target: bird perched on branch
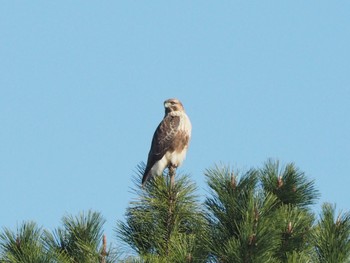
170,142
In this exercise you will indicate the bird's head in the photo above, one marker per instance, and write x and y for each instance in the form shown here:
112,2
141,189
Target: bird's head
173,105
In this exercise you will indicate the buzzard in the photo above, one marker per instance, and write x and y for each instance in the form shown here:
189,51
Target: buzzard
170,141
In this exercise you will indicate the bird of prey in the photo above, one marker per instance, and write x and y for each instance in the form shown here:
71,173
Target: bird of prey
170,141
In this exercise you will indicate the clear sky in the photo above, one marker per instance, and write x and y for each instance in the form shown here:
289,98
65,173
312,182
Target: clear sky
82,85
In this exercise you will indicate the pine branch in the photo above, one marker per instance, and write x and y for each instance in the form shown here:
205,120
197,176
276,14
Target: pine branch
23,246
80,239
164,218
240,218
288,183
294,226
332,235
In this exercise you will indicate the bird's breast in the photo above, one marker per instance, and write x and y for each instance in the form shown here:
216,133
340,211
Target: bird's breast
185,123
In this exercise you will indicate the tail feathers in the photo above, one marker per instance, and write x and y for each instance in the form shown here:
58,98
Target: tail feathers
146,176
144,179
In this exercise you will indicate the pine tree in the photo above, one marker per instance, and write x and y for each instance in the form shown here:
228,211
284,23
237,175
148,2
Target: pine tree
260,216
294,217
80,240
332,236
165,222
24,245
288,184
239,218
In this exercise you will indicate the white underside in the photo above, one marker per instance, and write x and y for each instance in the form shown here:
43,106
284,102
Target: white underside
173,158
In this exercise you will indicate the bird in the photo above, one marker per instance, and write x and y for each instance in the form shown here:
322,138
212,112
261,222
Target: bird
170,141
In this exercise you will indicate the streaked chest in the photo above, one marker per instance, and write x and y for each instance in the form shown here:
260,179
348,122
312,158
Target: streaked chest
185,123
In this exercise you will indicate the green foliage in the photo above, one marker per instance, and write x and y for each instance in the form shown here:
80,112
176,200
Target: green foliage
300,257
294,225
332,236
293,218
290,185
165,223
23,246
262,215
240,218
79,240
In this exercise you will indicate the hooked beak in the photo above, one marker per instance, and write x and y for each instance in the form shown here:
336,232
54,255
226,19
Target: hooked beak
166,104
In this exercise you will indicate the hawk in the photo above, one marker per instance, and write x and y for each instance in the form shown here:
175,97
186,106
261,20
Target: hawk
170,141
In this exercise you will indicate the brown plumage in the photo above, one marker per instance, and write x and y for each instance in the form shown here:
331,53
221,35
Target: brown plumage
170,140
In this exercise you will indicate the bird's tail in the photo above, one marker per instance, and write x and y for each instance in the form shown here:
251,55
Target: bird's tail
145,177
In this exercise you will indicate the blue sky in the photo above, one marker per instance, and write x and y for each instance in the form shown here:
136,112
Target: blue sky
82,87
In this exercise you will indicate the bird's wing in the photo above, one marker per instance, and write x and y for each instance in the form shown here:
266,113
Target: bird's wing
162,141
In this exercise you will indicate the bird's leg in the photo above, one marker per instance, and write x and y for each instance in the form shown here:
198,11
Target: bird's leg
172,172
